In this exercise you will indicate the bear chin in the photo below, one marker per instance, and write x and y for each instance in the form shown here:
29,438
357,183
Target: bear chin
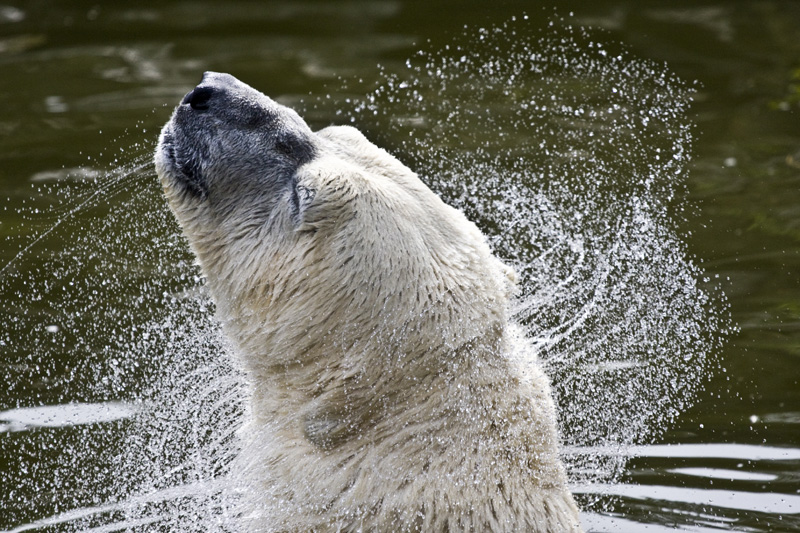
389,388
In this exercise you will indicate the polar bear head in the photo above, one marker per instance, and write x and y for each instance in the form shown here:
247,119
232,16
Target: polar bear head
316,242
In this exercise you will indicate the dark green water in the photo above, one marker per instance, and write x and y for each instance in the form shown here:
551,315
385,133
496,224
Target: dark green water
94,268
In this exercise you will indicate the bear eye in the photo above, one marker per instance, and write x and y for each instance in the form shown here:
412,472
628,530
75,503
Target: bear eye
285,148
297,149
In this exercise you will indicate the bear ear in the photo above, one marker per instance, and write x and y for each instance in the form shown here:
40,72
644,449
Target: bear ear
302,197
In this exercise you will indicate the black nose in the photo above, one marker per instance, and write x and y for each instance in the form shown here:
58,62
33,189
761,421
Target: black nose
198,98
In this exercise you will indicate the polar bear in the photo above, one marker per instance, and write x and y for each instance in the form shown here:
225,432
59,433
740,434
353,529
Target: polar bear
389,390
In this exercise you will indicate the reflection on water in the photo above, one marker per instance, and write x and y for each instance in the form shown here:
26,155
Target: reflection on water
109,330
56,416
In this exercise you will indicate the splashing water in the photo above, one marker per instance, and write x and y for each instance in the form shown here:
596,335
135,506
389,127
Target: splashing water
568,154
111,307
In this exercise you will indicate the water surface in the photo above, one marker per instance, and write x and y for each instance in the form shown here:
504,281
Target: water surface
108,341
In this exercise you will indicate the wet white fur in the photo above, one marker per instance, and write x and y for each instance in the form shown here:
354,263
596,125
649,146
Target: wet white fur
390,392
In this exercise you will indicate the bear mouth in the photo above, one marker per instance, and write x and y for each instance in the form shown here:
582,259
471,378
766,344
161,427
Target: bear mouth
182,166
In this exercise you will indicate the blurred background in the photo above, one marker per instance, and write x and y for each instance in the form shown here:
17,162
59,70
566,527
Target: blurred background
86,88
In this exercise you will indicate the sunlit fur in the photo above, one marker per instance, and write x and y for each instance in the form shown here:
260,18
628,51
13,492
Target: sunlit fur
389,392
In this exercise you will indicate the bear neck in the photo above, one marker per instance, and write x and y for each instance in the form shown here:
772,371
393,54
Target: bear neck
354,357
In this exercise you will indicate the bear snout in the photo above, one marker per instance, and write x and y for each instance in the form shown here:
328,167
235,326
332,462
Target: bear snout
198,98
